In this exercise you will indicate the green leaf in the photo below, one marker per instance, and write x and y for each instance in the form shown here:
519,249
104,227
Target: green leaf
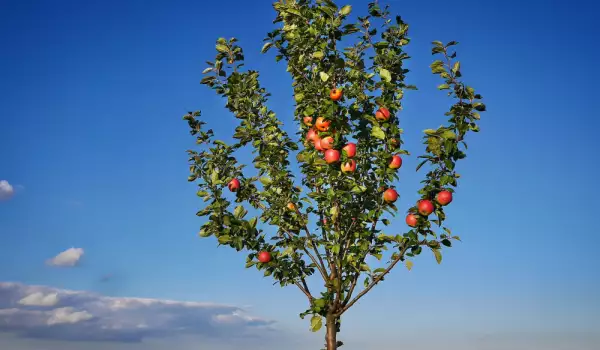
437,67
224,239
239,212
252,222
204,233
456,238
444,87
324,76
214,177
334,212
299,97
449,135
335,249
421,164
266,47
318,54
429,131
266,181
438,255
359,189
288,251
345,11
409,264
316,323
479,106
385,75
456,67
377,132
207,70
222,48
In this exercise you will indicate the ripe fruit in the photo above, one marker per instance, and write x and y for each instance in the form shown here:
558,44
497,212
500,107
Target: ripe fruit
307,121
411,220
327,142
234,185
350,149
349,166
390,195
317,143
444,197
311,134
425,207
335,94
396,162
325,221
264,257
291,206
382,114
332,156
321,124
394,143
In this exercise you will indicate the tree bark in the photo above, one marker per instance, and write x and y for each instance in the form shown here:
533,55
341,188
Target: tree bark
331,334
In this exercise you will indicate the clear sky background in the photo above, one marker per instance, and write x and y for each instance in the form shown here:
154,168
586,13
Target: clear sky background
92,149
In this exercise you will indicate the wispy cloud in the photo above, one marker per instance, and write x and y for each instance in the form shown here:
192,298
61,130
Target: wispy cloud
69,257
51,313
6,190
40,299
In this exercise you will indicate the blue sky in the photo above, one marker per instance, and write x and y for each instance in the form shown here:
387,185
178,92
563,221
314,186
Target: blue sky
93,145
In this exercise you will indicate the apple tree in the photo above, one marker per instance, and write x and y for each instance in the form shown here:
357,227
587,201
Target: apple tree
348,85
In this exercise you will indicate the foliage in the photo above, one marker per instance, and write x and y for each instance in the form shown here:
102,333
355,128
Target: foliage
348,206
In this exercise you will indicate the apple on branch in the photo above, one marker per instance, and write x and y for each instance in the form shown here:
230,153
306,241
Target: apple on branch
425,207
444,197
390,195
264,257
350,149
332,156
335,94
234,185
382,114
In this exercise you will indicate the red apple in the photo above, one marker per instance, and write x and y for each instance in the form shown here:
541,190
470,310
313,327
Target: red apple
327,142
390,195
349,166
332,156
411,220
307,121
324,221
396,162
317,144
234,185
311,134
264,257
444,197
425,207
350,149
291,206
321,124
382,114
335,94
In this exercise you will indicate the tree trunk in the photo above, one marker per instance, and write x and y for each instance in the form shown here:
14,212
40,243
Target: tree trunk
331,335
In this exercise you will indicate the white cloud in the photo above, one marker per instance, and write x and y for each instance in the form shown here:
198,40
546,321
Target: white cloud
85,316
6,190
40,299
69,257
68,315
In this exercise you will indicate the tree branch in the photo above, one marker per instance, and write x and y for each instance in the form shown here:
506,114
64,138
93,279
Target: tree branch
378,278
